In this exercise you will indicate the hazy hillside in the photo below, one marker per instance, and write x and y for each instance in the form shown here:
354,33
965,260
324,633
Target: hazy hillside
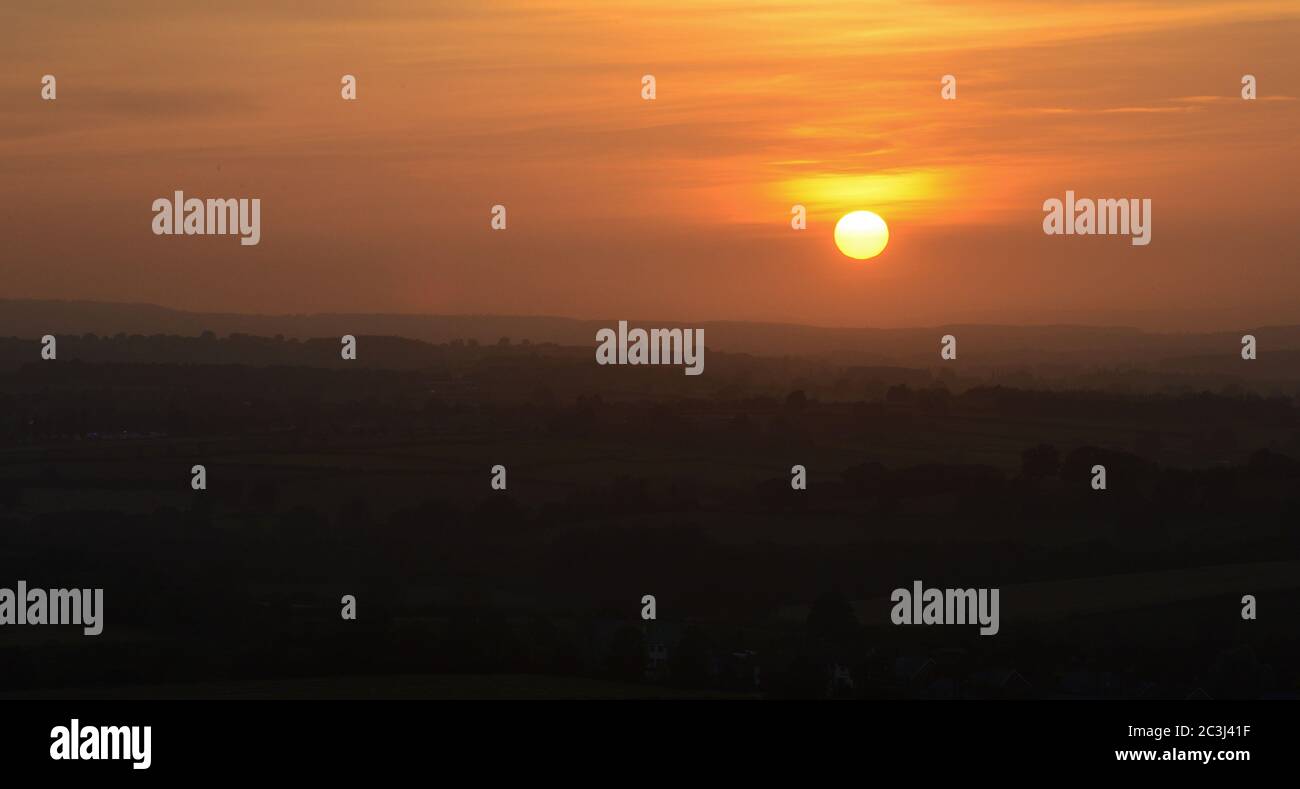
978,345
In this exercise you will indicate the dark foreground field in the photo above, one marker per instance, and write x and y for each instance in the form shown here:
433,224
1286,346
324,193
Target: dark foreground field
325,480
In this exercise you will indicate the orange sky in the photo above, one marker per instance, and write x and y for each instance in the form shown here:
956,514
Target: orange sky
676,209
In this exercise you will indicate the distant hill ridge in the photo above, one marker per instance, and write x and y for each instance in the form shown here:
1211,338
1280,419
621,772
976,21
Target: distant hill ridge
989,344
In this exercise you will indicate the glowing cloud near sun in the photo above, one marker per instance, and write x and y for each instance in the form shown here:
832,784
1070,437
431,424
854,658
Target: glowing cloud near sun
861,234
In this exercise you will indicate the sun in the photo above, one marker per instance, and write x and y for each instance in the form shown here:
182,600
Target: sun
861,234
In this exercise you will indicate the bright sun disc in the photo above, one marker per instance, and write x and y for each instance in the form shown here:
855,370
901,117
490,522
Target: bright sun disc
861,234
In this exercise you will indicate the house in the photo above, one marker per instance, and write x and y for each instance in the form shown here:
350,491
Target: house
656,666
913,669
839,680
659,639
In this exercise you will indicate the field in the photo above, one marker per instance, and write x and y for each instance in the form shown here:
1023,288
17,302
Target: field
428,687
